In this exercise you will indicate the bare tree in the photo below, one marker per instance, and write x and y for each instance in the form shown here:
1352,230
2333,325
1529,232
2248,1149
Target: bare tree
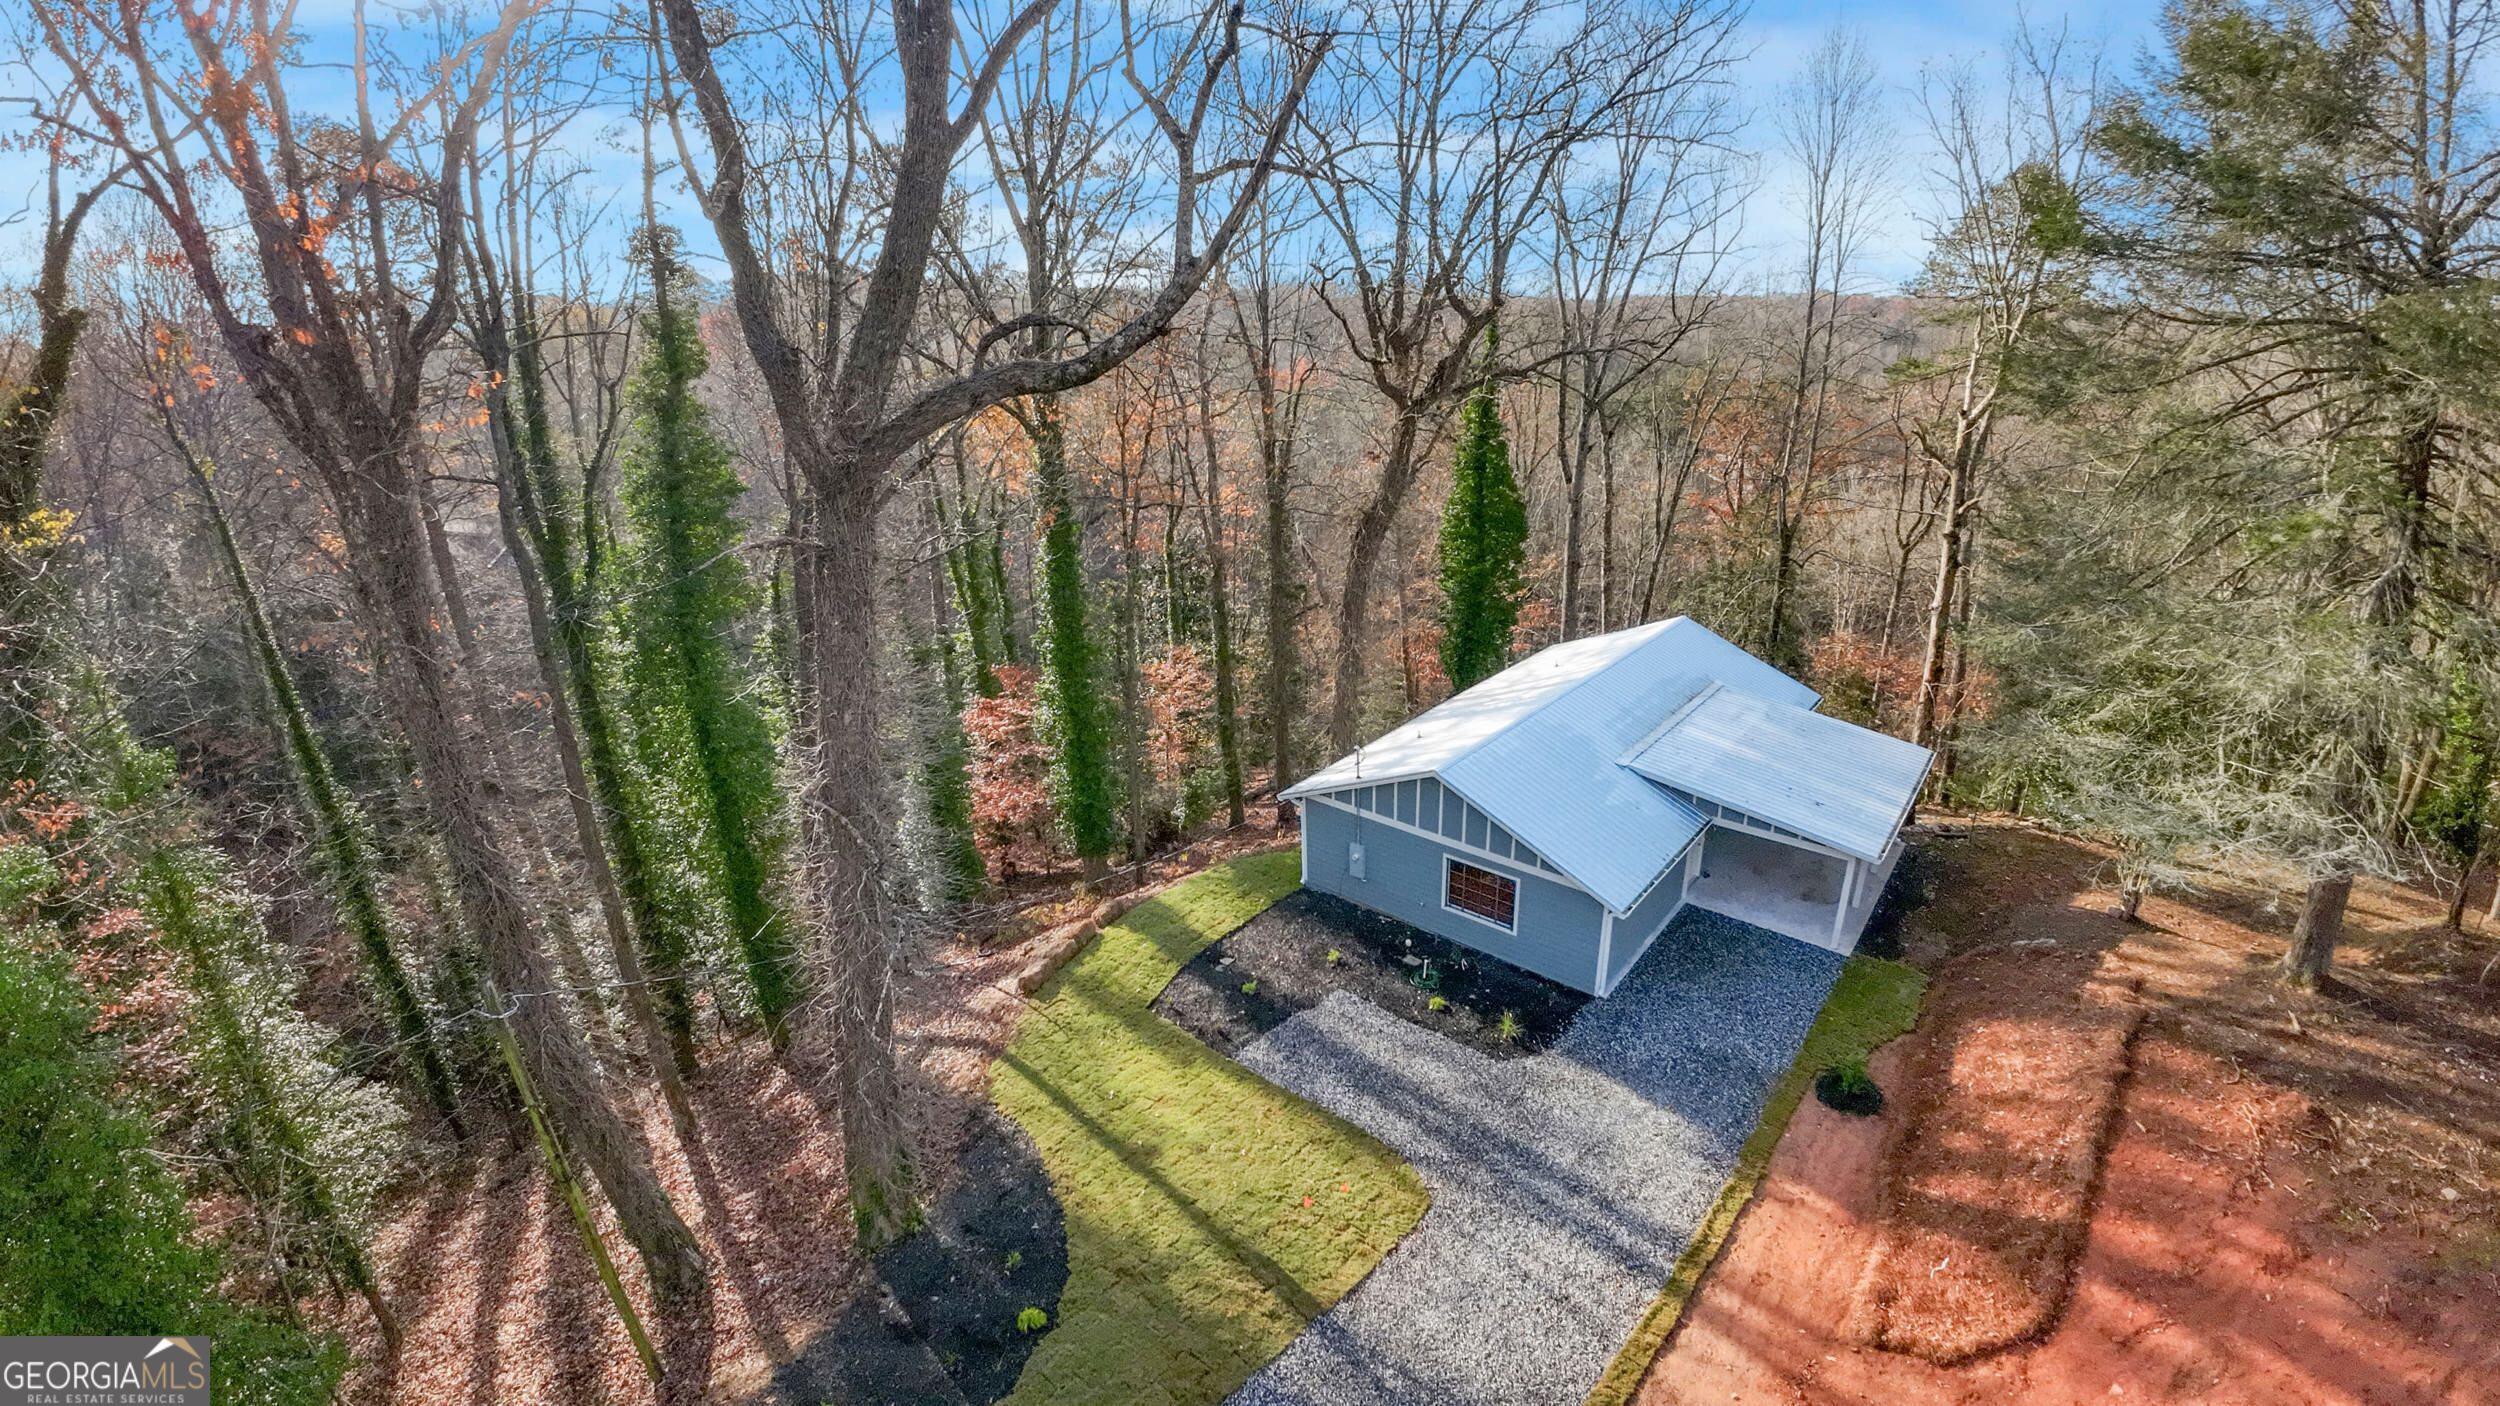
1832,132
2017,164
1448,120
330,306
838,388
1640,225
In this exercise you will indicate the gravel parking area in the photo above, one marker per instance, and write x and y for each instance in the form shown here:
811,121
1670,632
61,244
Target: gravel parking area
1563,1184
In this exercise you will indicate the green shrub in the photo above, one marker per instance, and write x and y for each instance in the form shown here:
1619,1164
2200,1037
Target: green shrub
1845,1086
1507,1028
1032,1320
1249,988
1335,956
1437,1004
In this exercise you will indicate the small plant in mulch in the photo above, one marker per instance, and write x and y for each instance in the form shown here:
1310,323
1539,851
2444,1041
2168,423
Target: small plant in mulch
1846,1087
1250,988
1507,1028
1335,956
1032,1320
1437,1004
1014,1258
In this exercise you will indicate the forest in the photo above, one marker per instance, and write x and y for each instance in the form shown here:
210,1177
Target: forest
577,583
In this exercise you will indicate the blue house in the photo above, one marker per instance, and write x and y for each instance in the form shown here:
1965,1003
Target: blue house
1561,813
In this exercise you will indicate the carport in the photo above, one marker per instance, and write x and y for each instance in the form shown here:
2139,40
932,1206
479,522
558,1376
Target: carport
1793,887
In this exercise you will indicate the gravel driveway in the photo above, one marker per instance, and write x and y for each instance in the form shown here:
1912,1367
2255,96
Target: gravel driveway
1564,1185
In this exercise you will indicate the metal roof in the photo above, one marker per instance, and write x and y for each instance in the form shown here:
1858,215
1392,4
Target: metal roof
1831,781
1540,748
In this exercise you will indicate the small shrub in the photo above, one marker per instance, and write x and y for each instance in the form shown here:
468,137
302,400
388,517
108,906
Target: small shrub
1846,1087
1250,988
1014,1258
1507,1028
1032,1320
1437,1004
1335,956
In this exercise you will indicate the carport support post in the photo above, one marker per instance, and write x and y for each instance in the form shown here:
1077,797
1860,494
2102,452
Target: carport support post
1848,900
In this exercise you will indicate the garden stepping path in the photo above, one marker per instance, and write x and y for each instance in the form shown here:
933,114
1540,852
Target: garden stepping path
1564,1184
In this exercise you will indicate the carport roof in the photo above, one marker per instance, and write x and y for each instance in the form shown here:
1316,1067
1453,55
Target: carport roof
1833,782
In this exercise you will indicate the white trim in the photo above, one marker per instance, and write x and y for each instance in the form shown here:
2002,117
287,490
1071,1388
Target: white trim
1605,946
1298,790
1521,866
1753,826
1305,847
1448,907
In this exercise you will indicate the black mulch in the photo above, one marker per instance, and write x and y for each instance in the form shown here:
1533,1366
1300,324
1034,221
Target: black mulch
937,1326
1912,884
1284,952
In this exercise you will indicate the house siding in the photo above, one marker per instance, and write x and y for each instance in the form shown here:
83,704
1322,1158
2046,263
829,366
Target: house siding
1635,931
1558,926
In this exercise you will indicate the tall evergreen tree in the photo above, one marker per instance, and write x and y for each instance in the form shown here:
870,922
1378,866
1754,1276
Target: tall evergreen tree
2308,199
1083,787
1484,545
690,597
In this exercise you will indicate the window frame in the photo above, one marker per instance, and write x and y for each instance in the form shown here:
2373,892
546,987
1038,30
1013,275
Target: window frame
1449,868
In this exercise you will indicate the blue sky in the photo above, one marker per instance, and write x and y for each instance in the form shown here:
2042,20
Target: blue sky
1903,39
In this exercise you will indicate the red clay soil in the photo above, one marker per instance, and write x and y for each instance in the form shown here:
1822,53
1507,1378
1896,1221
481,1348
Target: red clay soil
2300,1202
1987,1185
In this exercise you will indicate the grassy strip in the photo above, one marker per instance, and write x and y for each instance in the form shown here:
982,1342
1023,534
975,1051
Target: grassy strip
1210,1214
1873,1002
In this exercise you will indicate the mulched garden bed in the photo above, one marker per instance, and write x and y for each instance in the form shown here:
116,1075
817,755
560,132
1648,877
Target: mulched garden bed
1277,964
938,1325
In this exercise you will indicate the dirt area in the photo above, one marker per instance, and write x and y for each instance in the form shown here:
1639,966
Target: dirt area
1290,957
2298,1201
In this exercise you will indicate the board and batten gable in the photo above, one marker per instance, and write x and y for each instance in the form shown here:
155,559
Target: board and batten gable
1409,829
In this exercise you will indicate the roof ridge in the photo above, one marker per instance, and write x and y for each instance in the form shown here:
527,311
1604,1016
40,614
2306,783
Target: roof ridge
1683,710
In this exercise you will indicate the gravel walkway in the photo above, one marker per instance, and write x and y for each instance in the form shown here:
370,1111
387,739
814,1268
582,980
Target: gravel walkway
1564,1185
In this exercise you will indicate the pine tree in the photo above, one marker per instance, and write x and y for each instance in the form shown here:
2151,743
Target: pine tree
1083,787
691,594
1484,542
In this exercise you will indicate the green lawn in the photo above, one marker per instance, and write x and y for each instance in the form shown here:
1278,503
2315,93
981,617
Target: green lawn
1873,1002
1210,1214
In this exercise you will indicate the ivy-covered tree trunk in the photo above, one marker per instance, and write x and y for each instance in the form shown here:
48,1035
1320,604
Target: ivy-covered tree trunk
1484,540
28,529
350,860
1220,600
209,926
692,590
545,510
1085,792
